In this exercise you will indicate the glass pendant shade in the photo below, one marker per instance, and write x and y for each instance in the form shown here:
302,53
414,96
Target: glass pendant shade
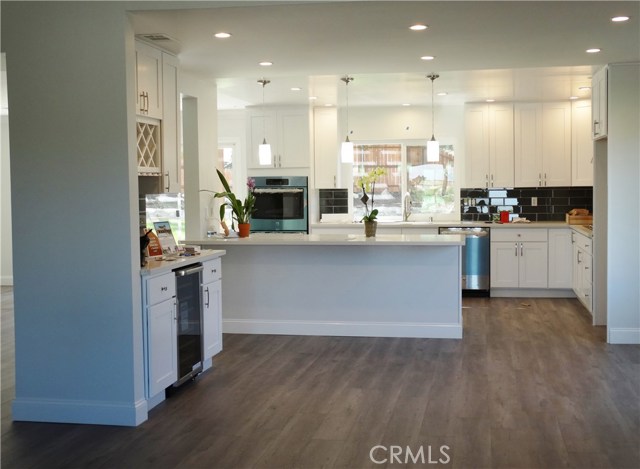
433,150
264,153
346,153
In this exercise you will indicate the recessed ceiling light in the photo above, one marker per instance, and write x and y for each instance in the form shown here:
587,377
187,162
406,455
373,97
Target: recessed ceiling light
442,93
312,98
427,57
328,105
295,88
490,100
222,35
266,63
406,104
573,97
595,50
620,19
584,88
418,27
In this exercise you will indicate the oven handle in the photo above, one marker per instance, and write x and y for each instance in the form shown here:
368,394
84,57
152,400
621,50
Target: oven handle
294,190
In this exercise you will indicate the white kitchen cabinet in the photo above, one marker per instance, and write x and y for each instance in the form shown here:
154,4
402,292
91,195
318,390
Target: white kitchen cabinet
148,80
542,144
489,145
170,123
599,100
160,333
286,130
519,258
582,269
581,144
560,258
325,147
211,309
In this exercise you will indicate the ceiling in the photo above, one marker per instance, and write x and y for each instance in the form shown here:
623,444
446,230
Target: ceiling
507,51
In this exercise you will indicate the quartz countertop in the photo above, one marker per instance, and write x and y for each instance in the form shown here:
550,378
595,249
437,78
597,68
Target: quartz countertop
161,266
583,230
302,239
425,224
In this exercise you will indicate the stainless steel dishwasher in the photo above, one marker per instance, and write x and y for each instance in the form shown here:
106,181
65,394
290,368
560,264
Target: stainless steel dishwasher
475,259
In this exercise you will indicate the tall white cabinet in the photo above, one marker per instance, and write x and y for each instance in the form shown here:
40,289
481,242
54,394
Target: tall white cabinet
581,144
489,145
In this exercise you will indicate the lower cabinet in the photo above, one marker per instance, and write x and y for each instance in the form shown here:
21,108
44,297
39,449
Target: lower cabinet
161,346
519,258
582,269
160,331
560,258
211,309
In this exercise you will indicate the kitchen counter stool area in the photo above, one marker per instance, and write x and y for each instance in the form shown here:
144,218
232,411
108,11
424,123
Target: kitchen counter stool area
387,286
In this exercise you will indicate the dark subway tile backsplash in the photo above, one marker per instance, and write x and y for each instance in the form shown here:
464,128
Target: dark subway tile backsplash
334,201
551,205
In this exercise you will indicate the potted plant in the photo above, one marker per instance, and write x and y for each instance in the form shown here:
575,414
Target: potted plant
241,211
368,183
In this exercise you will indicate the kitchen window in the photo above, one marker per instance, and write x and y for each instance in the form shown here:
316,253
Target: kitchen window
431,186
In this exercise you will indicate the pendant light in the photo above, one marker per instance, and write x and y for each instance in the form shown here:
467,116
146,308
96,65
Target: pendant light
346,153
264,149
433,146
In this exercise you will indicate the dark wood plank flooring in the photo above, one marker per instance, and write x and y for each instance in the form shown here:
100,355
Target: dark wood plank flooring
531,385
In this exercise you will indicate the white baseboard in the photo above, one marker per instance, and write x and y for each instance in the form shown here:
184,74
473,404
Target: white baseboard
86,412
6,280
353,329
624,335
531,293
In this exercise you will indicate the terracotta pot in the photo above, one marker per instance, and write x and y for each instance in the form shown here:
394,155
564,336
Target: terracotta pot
244,229
370,228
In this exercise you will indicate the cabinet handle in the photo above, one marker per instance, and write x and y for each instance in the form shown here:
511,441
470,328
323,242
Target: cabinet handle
573,241
486,180
579,260
545,179
166,175
207,302
164,288
539,179
516,249
147,101
492,180
521,250
595,132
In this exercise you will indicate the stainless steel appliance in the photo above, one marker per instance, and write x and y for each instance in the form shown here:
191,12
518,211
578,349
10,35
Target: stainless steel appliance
476,255
281,205
189,322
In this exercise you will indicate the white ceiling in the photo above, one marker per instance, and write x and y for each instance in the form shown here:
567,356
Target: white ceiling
508,51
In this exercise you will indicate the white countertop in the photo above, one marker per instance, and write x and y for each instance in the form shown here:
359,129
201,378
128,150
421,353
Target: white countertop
162,266
301,239
583,230
424,224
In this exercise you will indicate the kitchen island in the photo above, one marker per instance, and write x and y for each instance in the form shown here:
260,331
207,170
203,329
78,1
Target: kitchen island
343,285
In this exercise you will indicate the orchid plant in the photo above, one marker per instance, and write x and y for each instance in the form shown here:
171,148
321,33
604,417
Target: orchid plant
242,211
368,183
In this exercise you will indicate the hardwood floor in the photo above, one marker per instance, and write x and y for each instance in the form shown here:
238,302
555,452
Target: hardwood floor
531,385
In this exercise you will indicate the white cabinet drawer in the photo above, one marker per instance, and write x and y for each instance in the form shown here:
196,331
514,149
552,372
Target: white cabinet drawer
161,288
517,235
583,242
212,271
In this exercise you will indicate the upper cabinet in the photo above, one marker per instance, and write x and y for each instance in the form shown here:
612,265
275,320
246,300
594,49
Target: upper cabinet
170,123
599,104
542,144
148,81
325,147
581,144
286,130
489,145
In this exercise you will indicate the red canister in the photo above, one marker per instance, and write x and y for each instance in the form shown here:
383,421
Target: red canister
504,216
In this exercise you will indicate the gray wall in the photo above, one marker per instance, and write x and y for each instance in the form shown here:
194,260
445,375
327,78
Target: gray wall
77,286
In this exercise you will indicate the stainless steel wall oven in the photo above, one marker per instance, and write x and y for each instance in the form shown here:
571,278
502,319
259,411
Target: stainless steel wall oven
281,205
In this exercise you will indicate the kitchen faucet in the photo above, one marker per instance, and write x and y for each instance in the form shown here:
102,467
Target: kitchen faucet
406,206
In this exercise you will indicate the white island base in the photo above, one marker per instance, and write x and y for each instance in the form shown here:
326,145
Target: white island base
339,285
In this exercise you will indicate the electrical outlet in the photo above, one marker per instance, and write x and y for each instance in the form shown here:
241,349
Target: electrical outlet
534,201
